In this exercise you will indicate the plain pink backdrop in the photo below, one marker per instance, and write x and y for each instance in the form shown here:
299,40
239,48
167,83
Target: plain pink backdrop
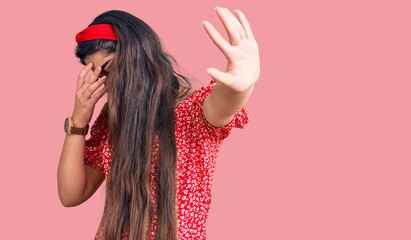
326,154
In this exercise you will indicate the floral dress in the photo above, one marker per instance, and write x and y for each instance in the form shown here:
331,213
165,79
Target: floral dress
198,145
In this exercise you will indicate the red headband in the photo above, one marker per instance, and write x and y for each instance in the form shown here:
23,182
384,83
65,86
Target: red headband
98,31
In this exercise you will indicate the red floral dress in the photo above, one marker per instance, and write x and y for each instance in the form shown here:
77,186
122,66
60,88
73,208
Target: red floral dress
198,145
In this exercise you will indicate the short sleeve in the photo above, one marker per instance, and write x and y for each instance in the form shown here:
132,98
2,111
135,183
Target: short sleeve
217,133
93,152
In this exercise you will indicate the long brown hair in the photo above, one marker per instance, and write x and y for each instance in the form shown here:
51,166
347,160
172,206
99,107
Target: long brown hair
143,89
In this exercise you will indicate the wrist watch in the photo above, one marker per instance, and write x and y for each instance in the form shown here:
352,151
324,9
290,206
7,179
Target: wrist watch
70,129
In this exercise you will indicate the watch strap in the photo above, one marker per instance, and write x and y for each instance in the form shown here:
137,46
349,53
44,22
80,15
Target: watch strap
70,129
79,131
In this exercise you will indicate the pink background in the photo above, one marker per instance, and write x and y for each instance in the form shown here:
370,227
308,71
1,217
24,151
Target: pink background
326,154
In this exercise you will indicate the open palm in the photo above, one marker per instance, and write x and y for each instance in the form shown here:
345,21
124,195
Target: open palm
241,52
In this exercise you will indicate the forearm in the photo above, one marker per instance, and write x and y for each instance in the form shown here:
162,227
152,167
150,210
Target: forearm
228,100
223,103
71,173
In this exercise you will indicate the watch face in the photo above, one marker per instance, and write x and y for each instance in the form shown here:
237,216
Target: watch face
66,125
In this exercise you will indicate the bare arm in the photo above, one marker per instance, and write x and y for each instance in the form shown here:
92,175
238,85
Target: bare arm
77,181
233,87
221,105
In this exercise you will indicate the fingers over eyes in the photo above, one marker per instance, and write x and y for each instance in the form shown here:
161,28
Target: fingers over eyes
99,94
91,80
83,74
88,92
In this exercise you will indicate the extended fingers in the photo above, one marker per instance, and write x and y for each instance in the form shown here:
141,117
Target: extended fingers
237,24
229,25
216,37
245,24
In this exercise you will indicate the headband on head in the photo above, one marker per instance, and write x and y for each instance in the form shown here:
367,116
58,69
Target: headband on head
98,31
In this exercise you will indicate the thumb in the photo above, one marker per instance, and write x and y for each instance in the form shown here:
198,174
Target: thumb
219,76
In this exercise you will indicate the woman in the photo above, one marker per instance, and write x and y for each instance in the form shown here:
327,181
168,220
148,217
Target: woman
156,139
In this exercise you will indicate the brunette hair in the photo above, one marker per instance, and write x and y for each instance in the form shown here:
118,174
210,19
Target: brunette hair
143,89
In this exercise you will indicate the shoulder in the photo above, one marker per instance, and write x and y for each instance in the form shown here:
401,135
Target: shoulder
197,96
191,118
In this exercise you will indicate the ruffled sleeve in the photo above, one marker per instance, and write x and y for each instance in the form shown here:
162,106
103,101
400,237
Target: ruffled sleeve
216,133
93,152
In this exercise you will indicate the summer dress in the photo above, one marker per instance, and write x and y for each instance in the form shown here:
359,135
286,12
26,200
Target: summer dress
198,145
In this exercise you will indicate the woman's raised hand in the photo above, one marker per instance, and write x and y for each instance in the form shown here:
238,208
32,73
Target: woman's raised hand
84,101
243,61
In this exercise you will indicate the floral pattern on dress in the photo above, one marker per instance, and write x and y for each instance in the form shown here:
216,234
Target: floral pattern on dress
198,144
